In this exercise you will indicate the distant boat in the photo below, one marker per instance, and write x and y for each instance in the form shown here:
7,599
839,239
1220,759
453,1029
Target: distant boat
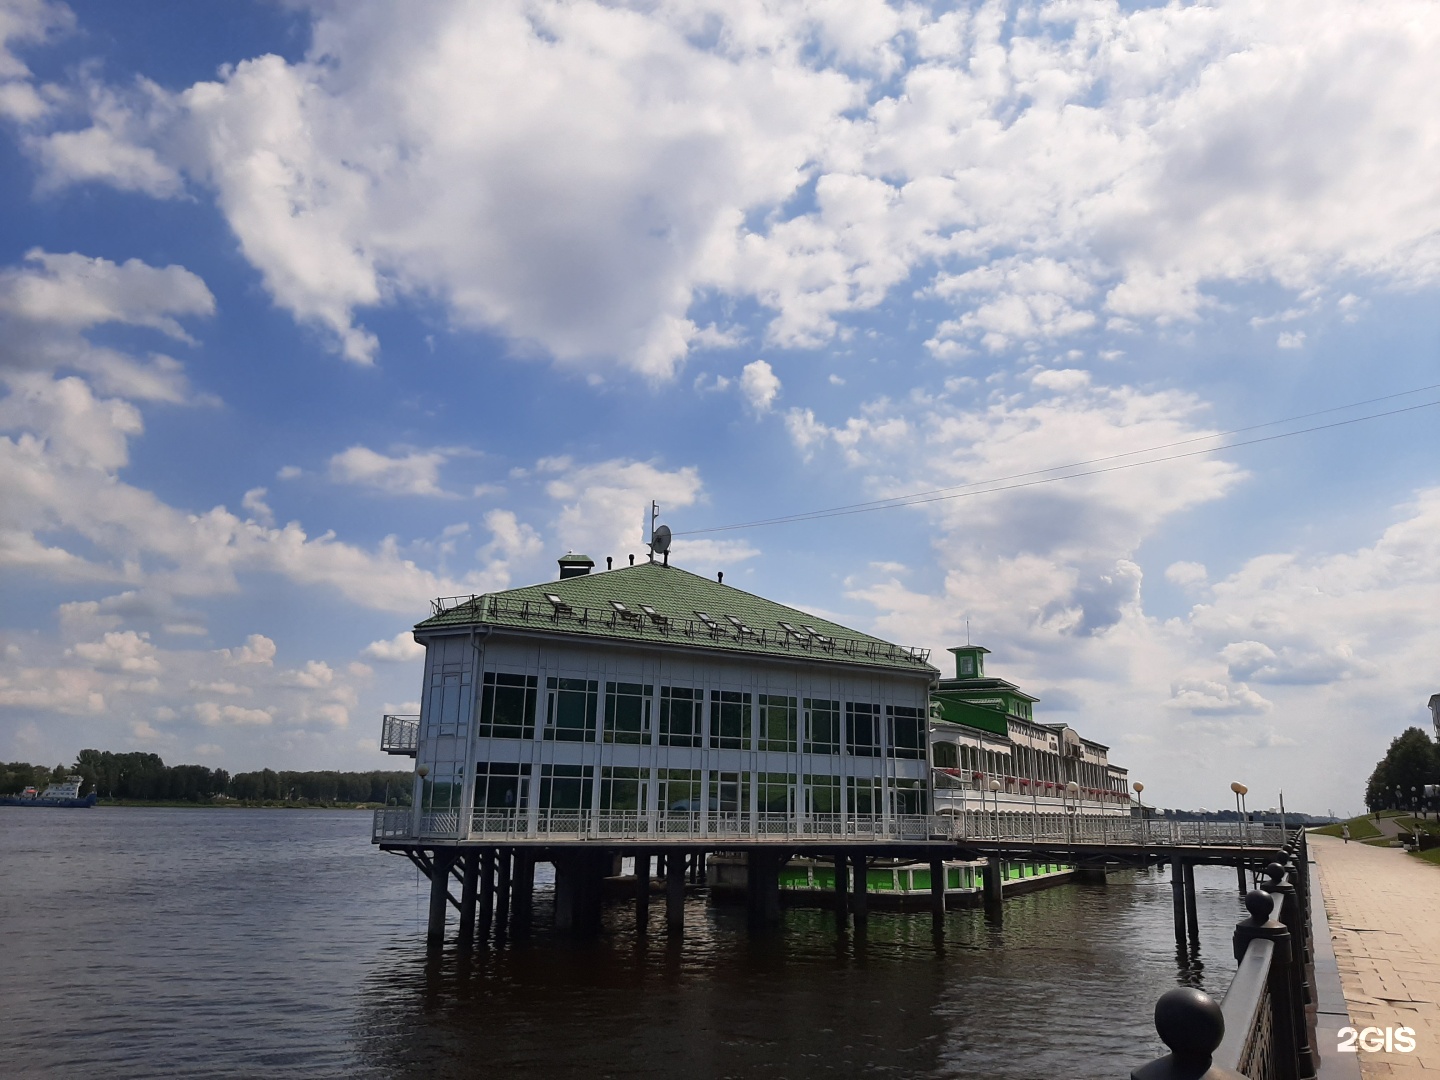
66,794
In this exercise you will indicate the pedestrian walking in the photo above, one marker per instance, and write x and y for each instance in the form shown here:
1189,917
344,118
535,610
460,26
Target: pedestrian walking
1345,832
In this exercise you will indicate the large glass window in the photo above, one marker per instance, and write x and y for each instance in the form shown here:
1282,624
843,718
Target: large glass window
730,720
906,730
572,709
776,793
863,796
449,692
943,756
822,794
499,786
779,723
862,723
680,790
621,789
909,796
627,712
507,705
564,787
822,726
680,716
730,793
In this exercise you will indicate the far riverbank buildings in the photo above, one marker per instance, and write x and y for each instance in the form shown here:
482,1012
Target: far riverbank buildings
647,701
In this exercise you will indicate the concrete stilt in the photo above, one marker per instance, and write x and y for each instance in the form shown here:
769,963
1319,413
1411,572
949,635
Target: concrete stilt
1192,912
642,892
858,906
994,881
487,893
675,892
441,859
1240,878
502,895
578,895
937,894
842,888
762,880
522,892
1177,898
468,885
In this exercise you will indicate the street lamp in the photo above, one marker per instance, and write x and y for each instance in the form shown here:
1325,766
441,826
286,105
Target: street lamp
1073,790
995,792
1144,828
1240,791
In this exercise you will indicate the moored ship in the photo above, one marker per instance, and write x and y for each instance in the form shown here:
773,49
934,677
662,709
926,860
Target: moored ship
63,794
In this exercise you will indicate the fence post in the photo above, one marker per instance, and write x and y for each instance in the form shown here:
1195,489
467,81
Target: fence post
1289,914
1286,1041
1190,1023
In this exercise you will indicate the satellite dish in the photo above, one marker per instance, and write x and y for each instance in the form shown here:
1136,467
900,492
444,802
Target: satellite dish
660,541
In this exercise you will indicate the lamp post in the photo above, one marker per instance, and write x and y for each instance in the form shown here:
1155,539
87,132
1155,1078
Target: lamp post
1240,791
421,771
1073,790
1144,827
995,793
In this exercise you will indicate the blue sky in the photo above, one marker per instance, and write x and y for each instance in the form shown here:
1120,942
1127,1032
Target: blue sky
314,312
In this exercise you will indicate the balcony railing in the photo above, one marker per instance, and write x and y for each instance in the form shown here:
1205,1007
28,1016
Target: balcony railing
399,734
505,826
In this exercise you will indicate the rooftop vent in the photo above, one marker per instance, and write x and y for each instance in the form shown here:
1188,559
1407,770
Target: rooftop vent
624,612
740,627
819,637
655,616
572,565
560,606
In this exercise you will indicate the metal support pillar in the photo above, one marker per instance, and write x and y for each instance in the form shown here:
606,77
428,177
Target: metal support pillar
579,891
502,895
522,889
675,892
937,894
842,888
1192,910
441,859
468,885
858,906
994,880
1177,898
487,893
762,888
642,892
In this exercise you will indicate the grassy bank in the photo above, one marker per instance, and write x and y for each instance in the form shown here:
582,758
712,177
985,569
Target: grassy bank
1361,828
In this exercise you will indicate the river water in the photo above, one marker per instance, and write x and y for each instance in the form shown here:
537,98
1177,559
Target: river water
272,943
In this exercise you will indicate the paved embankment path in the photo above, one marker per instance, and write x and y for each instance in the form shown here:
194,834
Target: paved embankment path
1384,912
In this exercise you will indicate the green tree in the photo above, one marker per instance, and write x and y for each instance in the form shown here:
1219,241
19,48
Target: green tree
1411,762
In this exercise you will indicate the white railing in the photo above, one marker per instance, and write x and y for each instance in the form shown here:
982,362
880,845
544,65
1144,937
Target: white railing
974,825
399,734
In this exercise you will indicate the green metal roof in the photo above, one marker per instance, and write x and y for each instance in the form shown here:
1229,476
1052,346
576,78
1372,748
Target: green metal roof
679,604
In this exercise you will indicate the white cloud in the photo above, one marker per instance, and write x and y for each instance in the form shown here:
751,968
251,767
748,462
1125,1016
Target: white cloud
120,651
1187,575
402,647
26,22
603,504
212,714
760,385
1291,339
258,649
416,472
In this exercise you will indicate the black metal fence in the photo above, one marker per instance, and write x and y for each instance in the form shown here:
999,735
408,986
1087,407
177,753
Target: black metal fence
1265,1027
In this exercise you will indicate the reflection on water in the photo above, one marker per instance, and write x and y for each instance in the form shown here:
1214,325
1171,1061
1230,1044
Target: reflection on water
267,943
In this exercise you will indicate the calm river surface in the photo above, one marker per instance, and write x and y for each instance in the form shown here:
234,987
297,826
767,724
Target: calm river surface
272,943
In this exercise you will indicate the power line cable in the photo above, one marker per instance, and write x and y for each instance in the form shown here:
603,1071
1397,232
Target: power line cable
983,487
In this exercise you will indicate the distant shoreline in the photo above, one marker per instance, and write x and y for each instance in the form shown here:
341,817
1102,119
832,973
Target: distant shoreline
236,804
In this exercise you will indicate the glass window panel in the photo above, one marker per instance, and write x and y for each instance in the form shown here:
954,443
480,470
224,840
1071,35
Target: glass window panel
680,789
564,787
823,793
499,786
620,789
730,720
906,730
680,716
573,709
776,793
862,724
822,726
627,712
507,705
779,723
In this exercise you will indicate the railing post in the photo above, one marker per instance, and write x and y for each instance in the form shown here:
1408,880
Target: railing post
1288,913
1286,1039
1190,1023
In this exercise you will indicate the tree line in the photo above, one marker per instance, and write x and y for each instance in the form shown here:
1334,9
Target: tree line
1399,780
145,777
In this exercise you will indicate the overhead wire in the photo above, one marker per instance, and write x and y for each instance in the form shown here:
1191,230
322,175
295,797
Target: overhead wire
998,484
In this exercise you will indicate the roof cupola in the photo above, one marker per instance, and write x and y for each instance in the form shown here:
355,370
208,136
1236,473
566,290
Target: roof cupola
572,565
969,661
